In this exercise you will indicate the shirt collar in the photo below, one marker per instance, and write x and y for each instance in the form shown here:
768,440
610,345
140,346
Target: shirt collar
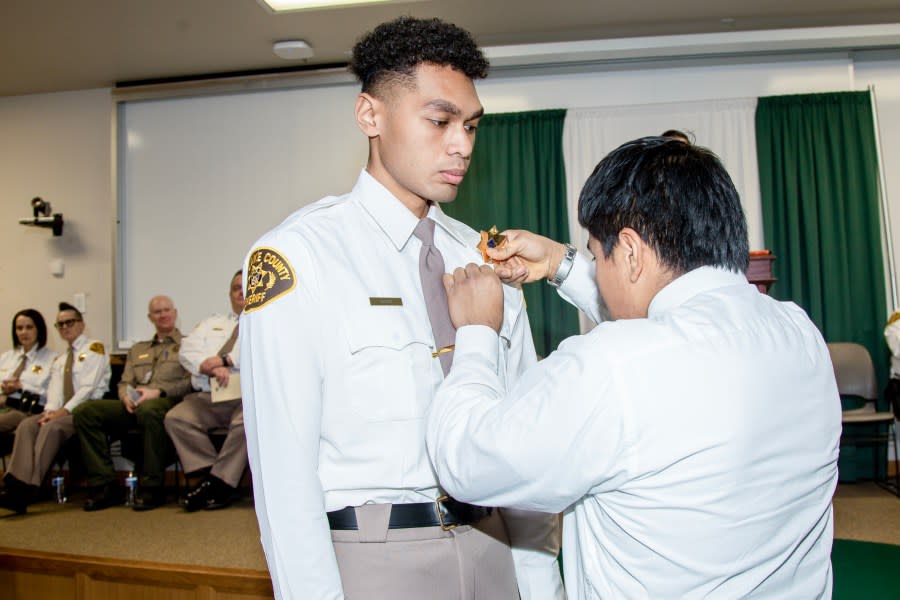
79,342
692,283
395,220
173,339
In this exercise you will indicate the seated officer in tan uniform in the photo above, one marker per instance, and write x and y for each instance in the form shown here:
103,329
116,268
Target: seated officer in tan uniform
152,383
210,353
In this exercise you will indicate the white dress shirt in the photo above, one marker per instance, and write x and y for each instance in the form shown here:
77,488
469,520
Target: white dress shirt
90,374
337,378
892,337
694,452
36,374
205,340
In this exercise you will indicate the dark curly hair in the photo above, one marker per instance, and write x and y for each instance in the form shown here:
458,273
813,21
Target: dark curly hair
391,52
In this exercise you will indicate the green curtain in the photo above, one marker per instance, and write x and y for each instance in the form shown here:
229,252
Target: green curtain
818,174
517,181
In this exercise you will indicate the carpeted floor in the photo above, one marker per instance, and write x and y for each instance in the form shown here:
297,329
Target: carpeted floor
223,538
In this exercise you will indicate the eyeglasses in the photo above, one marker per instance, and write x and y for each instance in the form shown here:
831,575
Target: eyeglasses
66,323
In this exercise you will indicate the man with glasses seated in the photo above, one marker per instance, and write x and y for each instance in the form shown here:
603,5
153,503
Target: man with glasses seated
79,374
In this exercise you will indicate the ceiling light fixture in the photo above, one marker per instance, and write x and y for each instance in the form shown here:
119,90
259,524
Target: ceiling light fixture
292,50
280,6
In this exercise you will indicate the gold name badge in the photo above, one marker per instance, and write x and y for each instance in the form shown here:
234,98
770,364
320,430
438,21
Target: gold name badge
386,301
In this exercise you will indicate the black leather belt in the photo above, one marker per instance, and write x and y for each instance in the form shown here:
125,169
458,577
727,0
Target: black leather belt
28,403
445,512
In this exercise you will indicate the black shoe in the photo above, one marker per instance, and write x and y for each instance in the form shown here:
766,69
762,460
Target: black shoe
150,498
14,500
222,497
104,496
197,497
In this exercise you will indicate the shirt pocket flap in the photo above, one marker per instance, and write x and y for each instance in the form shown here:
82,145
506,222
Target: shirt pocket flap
384,327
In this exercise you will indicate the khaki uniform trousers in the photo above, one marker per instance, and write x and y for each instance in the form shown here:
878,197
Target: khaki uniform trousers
189,423
465,563
10,419
36,446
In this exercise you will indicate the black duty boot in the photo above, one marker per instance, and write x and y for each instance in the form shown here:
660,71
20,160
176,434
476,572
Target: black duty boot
104,496
14,496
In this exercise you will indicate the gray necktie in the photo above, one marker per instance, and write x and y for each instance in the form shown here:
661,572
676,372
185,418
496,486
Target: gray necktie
431,270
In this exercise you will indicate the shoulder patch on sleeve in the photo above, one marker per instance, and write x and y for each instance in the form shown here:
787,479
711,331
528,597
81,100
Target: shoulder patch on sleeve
97,347
269,276
894,318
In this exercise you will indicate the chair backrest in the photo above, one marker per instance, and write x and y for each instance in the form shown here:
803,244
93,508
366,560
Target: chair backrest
853,370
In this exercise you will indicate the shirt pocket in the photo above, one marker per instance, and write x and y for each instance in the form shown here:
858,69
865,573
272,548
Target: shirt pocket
169,370
389,375
142,369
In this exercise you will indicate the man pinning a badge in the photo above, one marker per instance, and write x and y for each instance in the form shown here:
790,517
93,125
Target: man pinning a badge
346,337
692,441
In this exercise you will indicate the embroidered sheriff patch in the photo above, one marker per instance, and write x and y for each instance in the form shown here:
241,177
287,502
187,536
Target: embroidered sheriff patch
269,276
97,347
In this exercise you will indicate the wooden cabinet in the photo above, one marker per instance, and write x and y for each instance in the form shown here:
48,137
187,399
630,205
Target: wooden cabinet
760,271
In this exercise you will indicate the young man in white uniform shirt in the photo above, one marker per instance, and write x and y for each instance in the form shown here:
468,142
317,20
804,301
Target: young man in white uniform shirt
692,442
39,437
341,364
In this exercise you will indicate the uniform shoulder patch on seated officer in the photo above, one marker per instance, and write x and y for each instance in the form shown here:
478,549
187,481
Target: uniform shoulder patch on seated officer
97,347
894,318
269,276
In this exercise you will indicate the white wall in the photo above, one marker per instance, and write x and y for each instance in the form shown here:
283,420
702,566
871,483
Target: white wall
58,147
884,76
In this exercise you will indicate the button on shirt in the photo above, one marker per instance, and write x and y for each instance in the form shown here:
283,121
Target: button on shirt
36,374
90,374
694,451
205,340
339,373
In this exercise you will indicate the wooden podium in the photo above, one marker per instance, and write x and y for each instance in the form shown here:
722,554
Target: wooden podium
760,271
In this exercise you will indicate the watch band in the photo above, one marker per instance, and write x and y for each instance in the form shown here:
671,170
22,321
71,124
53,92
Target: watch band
564,268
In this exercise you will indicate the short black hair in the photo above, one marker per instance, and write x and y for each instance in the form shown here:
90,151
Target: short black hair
66,306
678,197
677,134
39,324
392,51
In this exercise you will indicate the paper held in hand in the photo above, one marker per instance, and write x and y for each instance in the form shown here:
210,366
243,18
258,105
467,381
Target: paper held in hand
232,391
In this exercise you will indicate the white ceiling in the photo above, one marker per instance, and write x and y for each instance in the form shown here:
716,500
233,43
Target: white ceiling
55,45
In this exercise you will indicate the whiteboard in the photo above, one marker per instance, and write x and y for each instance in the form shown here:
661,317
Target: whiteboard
200,179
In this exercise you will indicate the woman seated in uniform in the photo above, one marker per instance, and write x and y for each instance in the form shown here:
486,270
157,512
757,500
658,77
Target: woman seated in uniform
24,370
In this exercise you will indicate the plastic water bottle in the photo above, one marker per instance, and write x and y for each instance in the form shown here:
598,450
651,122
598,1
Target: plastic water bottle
130,489
59,483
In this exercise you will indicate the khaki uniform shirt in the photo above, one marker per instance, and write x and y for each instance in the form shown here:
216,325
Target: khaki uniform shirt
154,363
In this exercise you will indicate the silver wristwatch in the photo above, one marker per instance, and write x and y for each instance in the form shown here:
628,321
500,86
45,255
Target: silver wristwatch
564,268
